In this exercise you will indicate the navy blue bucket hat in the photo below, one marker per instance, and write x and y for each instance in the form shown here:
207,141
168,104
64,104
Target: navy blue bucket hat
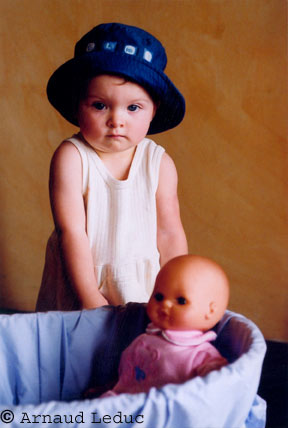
122,50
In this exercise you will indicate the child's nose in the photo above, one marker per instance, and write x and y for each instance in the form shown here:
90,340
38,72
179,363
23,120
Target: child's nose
115,119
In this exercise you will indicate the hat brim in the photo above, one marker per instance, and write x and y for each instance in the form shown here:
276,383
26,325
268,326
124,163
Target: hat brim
64,86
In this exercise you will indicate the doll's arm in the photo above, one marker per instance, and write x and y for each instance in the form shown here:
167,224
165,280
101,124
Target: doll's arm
208,361
171,237
69,217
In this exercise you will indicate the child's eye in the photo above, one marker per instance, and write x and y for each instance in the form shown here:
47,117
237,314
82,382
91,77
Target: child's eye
159,297
99,106
133,107
181,300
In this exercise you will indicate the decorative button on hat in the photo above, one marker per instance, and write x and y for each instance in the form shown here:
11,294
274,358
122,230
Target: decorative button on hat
122,50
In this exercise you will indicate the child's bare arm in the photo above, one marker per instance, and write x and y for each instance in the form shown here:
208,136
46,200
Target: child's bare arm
171,237
70,220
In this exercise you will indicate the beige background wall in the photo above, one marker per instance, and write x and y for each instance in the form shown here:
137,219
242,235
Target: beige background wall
228,58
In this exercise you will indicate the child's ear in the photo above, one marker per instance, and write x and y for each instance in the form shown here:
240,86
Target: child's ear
156,105
211,310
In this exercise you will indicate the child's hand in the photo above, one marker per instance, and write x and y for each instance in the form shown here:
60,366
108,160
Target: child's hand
171,238
70,223
95,302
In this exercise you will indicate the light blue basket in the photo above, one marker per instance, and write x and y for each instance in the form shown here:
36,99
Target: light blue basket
47,361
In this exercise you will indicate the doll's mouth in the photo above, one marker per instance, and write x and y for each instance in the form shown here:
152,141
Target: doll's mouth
163,314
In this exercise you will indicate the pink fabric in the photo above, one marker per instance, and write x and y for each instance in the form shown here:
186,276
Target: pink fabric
158,357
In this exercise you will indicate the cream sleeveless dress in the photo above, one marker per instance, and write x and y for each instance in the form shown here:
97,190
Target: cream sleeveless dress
121,227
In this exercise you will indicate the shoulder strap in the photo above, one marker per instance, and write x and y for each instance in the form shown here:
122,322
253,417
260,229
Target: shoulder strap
154,153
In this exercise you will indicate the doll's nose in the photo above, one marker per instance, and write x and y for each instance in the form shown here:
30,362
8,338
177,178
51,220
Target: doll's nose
167,303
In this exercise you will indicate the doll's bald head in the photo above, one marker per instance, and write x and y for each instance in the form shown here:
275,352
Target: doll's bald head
191,292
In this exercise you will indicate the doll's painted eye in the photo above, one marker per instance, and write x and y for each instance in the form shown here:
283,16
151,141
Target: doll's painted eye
159,297
181,300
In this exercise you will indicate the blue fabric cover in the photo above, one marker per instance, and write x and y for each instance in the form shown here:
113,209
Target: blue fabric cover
47,361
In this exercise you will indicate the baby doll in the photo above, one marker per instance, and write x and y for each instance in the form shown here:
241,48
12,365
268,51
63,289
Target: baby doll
113,191
190,296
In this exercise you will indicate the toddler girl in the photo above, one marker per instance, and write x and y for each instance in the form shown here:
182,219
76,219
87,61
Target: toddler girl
113,191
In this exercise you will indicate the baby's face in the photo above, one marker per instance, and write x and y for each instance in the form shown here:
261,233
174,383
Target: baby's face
189,294
175,304
115,114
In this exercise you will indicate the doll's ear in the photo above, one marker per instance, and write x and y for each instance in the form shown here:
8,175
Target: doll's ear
211,310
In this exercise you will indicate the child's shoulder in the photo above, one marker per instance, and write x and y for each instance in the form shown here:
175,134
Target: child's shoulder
70,146
151,146
66,152
155,150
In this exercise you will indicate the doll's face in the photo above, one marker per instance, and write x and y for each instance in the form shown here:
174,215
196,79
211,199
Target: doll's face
190,293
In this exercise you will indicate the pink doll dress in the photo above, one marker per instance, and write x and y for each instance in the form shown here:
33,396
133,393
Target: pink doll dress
158,357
